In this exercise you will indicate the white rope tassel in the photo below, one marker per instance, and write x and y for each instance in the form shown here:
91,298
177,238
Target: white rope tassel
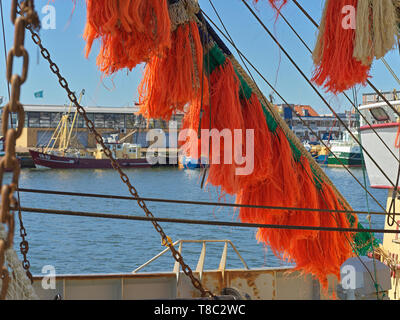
20,287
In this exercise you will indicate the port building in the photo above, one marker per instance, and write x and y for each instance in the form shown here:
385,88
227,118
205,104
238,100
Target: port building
42,120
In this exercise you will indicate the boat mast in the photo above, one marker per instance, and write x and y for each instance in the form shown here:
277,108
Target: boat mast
127,136
63,133
67,141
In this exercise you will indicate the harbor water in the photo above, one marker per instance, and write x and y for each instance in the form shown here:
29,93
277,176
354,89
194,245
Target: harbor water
80,245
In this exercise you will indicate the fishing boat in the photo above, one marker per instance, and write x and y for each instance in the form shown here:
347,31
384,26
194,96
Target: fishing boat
59,154
288,198
344,151
127,155
338,152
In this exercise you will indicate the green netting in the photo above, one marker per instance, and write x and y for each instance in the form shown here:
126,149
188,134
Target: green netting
317,179
244,91
272,124
213,59
364,241
296,152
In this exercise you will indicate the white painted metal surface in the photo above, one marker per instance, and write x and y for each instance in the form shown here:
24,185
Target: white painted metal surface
258,284
387,130
387,162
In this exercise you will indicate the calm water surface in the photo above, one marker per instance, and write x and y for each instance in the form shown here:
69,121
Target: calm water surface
91,245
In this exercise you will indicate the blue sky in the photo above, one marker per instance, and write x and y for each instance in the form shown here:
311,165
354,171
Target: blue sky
66,46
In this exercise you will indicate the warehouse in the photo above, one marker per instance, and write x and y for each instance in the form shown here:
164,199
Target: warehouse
42,120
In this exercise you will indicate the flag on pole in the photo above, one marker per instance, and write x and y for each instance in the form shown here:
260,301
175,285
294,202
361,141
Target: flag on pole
39,94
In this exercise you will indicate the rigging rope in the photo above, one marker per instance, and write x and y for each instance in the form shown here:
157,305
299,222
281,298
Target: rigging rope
204,222
390,70
201,203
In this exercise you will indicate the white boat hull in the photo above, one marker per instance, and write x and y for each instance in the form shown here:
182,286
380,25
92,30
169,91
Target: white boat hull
382,156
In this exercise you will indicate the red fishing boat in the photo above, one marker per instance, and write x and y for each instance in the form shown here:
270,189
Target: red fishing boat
59,154
53,161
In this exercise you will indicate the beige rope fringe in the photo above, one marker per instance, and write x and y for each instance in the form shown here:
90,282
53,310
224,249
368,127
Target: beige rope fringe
376,29
363,49
20,287
385,28
318,50
182,12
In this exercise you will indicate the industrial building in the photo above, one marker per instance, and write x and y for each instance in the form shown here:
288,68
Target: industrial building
326,126
42,120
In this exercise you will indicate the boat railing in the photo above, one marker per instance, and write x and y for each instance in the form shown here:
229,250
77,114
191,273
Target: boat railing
202,257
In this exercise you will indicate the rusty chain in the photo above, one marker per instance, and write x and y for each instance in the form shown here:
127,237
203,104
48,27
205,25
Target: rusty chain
132,190
24,246
9,161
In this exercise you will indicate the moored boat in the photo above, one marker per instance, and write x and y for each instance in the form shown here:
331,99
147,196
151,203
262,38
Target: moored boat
59,154
53,161
379,135
345,152
384,121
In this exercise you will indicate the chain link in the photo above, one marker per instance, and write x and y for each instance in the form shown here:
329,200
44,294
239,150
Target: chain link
24,248
72,97
9,161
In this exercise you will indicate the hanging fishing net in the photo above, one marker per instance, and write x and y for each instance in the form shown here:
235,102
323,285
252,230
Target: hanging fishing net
19,286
